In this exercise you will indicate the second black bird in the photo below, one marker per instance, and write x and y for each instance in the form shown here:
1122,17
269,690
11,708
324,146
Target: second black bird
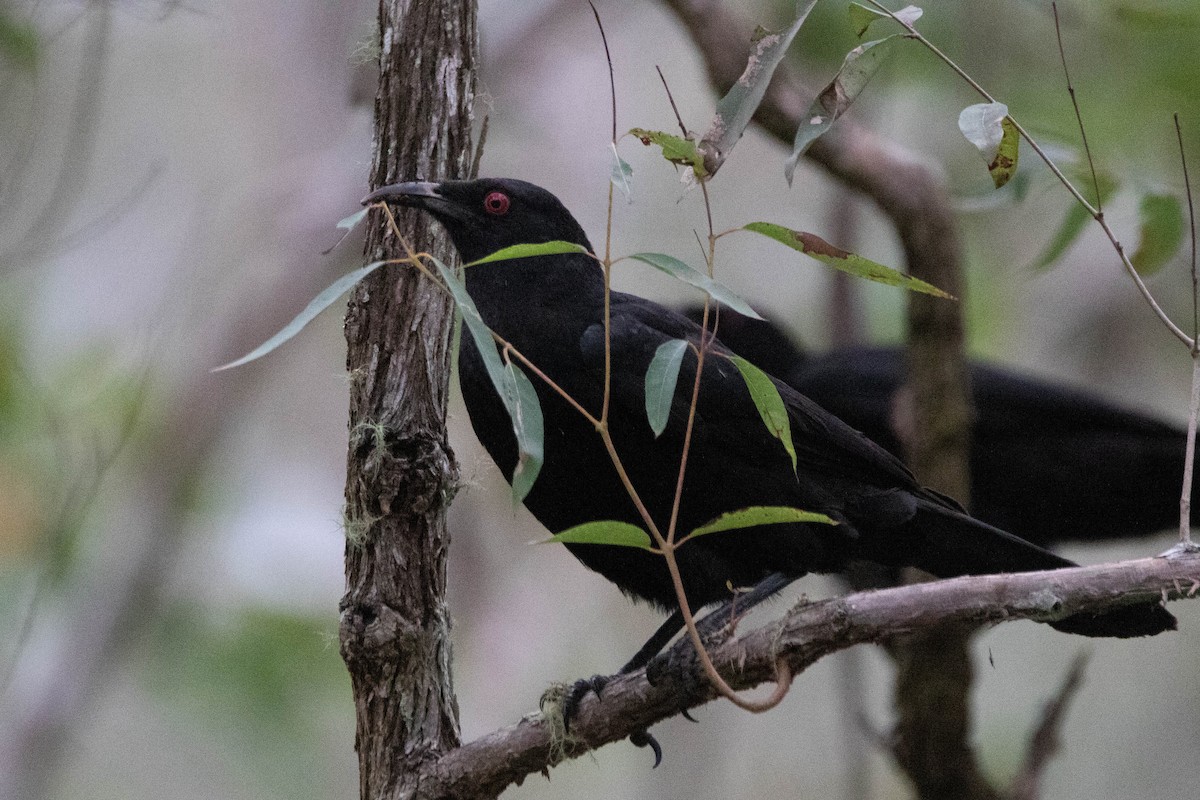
551,309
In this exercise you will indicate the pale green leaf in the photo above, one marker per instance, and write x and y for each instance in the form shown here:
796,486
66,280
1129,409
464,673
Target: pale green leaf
553,248
661,378
737,107
693,277
769,404
609,532
1161,232
319,303
621,173
857,69
760,515
510,383
812,245
521,399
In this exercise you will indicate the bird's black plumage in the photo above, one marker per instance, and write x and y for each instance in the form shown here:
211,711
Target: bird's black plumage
551,309
1048,462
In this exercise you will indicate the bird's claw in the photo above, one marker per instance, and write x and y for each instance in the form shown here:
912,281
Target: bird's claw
646,739
577,692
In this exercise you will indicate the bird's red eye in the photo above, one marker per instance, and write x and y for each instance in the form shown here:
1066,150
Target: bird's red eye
496,203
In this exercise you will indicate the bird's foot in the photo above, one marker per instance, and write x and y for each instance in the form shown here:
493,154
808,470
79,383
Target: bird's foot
576,693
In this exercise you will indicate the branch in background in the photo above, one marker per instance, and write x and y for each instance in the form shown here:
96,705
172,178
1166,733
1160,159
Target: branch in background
1045,741
913,198
809,632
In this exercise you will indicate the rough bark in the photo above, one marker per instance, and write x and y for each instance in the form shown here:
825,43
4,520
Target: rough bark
400,472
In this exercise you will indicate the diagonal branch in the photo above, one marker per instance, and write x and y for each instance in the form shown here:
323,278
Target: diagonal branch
806,634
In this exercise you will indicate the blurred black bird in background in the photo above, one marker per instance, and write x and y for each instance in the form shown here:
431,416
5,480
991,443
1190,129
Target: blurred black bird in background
551,309
1048,462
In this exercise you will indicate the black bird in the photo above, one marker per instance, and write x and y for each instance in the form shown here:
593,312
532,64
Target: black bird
1048,462
551,309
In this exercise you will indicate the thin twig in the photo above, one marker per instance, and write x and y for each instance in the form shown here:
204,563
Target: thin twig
607,263
1189,457
612,81
671,100
1087,151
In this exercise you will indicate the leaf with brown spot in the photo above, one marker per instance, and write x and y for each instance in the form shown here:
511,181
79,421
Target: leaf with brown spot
851,263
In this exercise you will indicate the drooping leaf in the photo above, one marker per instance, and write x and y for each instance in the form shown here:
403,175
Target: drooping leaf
675,149
769,404
661,378
992,131
511,384
737,107
1161,232
856,71
553,248
318,304
1077,217
522,400
607,531
812,245
760,515
693,277
621,173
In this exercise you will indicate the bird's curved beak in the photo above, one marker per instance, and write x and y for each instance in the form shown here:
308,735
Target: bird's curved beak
404,193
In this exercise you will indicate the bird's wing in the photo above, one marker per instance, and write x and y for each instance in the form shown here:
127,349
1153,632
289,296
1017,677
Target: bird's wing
727,419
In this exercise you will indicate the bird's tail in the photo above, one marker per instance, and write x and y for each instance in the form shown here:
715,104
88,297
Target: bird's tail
949,543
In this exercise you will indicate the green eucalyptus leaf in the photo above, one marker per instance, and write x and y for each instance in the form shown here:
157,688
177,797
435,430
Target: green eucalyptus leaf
693,277
521,399
760,515
661,378
607,531
553,248
812,245
318,304
769,404
517,394
857,69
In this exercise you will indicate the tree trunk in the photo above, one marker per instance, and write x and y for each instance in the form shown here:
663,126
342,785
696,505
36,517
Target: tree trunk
400,471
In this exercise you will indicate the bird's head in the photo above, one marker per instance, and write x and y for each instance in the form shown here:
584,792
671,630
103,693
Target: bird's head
485,215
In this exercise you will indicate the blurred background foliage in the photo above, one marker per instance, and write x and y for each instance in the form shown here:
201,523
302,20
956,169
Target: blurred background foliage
170,544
